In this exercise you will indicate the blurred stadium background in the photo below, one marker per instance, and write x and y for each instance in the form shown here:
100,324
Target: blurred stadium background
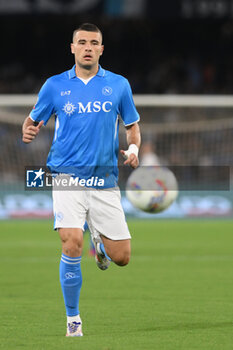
178,58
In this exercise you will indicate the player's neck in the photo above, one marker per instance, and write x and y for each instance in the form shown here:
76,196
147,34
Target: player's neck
83,73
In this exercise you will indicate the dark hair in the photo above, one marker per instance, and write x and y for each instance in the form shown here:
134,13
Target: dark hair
88,27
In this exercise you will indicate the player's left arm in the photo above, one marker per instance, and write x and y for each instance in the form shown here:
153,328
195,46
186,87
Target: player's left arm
133,137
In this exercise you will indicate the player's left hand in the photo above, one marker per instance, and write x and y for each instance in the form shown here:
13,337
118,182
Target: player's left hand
131,160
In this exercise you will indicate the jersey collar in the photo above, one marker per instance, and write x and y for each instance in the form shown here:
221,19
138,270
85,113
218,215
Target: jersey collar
72,74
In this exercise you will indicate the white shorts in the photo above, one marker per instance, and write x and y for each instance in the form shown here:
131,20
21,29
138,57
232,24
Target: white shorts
100,208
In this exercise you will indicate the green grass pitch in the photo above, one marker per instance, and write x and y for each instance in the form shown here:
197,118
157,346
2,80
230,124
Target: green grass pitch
176,293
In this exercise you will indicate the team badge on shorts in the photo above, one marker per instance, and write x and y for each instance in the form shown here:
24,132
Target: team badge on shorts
59,216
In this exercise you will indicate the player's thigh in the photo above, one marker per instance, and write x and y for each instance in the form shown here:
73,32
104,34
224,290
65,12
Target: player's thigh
106,215
119,251
70,209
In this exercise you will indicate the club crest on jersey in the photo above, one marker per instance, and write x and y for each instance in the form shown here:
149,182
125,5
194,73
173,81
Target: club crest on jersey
69,108
107,91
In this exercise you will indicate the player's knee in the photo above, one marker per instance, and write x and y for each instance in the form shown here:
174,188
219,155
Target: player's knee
122,259
71,243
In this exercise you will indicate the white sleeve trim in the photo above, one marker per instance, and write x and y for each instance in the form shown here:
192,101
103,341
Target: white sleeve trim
136,121
31,117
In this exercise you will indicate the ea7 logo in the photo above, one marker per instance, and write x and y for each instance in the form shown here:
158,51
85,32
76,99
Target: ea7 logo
64,93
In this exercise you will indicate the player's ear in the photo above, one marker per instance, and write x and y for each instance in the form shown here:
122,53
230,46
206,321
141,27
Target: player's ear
102,50
72,48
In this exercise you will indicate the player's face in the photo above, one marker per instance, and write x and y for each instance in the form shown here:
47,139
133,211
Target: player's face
87,48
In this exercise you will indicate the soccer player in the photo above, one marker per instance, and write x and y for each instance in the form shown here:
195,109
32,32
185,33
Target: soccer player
87,101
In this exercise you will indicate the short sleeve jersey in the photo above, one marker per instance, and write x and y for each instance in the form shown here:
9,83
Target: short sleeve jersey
87,116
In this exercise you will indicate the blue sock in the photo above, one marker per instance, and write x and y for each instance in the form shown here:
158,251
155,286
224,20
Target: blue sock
103,251
71,282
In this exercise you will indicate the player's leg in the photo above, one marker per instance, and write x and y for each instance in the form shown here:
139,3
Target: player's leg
108,228
71,276
118,251
70,215
72,241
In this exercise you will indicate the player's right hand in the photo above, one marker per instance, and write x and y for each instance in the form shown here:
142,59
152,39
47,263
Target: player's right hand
31,131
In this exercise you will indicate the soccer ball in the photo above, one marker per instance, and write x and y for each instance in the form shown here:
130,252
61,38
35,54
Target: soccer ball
152,188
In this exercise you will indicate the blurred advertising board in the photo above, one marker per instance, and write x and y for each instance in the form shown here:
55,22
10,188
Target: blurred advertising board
188,205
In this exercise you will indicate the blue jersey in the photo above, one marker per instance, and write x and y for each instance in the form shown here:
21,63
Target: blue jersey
85,140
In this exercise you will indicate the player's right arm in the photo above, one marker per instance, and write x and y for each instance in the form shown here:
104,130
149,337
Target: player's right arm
40,113
29,130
